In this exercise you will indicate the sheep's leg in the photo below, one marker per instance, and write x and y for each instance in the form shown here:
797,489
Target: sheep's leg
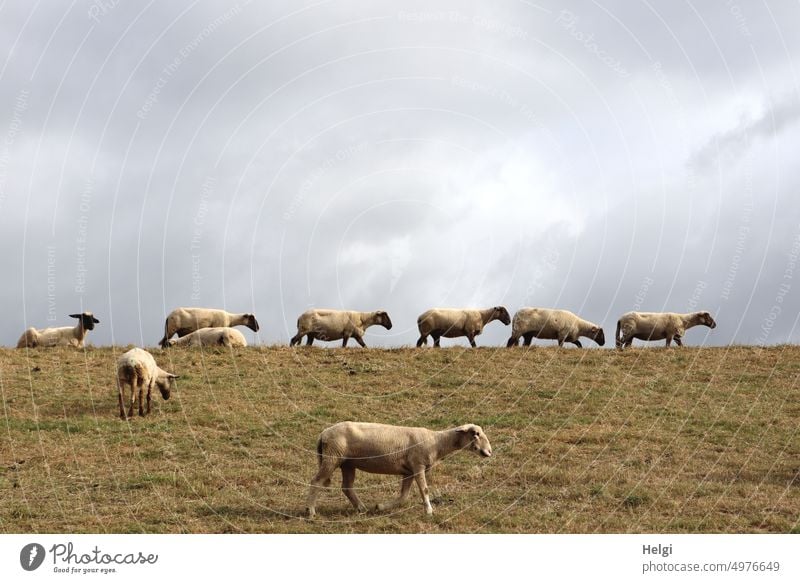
360,341
296,339
513,341
348,478
141,399
561,342
121,400
310,339
134,385
422,340
318,482
422,484
149,389
471,338
577,343
436,336
405,488
669,341
677,340
527,338
344,341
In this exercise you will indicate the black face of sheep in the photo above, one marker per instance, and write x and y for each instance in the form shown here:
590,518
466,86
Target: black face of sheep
708,320
165,386
383,320
87,320
502,314
252,323
598,336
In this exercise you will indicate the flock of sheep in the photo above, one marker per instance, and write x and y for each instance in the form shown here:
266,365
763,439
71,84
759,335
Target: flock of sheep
409,452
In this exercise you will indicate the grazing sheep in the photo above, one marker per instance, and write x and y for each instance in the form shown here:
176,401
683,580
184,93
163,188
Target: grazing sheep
336,325
547,324
410,452
667,326
138,369
65,336
454,323
182,321
229,337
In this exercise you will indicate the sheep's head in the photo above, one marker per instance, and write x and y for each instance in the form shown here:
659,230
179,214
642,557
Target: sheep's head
474,439
500,313
251,322
596,334
706,319
383,319
165,384
87,320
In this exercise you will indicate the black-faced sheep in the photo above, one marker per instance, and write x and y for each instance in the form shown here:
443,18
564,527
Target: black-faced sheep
452,323
182,321
548,324
667,326
337,325
64,336
138,369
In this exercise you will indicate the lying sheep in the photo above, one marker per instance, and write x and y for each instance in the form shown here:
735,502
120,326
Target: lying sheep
138,369
182,321
65,336
659,326
229,337
454,323
410,452
337,325
547,324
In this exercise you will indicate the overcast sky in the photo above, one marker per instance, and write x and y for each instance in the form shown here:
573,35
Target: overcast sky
274,156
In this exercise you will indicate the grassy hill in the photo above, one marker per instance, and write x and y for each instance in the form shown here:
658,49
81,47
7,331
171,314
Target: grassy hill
649,440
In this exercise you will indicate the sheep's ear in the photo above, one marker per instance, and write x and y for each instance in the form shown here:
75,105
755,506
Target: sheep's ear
468,428
172,376
76,315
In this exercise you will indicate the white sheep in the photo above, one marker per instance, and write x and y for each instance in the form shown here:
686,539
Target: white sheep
547,324
667,326
222,336
64,336
452,323
138,369
337,325
410,452
182,321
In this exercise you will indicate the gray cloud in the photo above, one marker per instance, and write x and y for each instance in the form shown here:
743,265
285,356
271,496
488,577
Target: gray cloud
592,156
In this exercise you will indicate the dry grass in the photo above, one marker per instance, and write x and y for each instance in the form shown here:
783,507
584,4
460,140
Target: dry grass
649,440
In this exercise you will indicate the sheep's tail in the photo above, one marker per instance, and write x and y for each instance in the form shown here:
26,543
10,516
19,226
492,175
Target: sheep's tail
619,336
165,340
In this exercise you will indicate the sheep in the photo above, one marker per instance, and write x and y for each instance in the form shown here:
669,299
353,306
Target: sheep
451,323
182,321
410,452
547,324
667,326
64,336
138,369
222,336
336,325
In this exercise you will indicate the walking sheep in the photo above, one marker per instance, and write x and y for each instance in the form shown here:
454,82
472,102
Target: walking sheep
229,337
182,321
450,323
410,452
337,325
64,336
138,369
547,324
667,326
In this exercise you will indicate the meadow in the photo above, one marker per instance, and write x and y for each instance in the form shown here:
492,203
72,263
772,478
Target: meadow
585,441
